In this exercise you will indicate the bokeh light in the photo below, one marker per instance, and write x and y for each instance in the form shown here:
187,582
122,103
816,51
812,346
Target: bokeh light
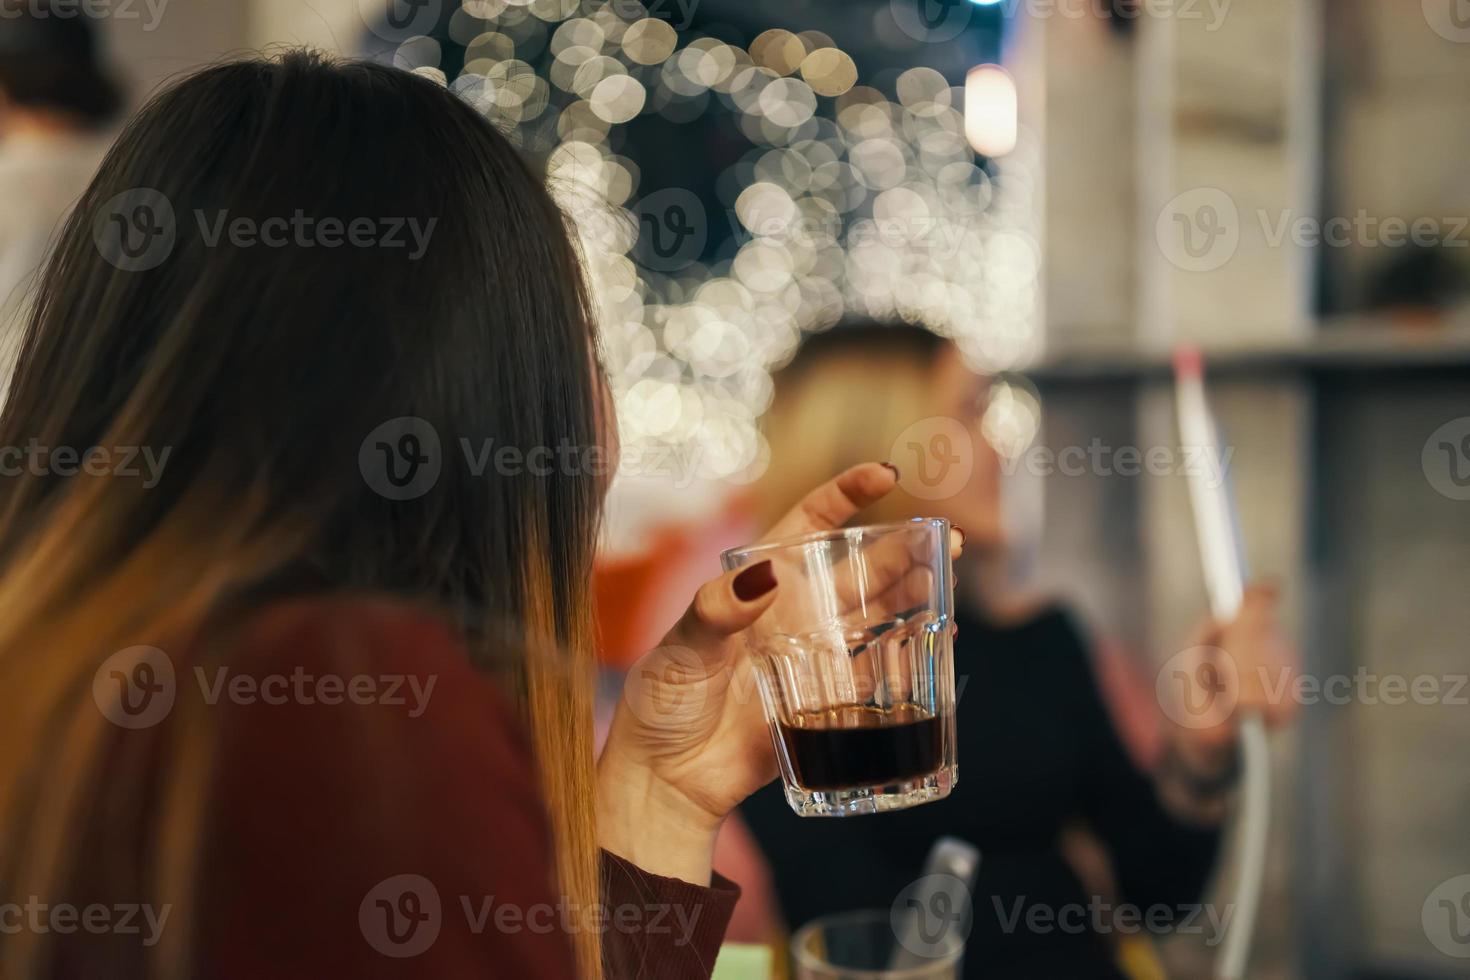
852,199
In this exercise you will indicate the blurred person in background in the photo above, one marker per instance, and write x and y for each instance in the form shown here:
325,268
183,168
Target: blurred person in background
56,103
1064,809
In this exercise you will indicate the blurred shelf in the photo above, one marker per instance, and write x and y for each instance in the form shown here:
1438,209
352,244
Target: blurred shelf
1359,344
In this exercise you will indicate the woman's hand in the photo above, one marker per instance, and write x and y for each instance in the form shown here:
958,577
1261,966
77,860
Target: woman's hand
689,740
1239,668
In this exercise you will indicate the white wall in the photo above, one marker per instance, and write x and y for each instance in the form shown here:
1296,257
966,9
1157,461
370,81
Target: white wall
173,36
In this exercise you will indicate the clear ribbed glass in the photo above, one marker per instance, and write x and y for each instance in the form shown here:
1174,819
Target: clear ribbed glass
855,665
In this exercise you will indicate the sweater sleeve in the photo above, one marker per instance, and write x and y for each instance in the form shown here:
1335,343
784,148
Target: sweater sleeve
374,811
662,927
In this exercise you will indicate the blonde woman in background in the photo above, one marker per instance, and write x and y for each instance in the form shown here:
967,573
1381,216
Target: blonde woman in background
1040,754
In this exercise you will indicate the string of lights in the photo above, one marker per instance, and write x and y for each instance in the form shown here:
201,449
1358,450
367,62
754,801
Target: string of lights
850,201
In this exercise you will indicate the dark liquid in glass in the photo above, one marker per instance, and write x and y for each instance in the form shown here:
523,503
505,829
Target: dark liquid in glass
852,746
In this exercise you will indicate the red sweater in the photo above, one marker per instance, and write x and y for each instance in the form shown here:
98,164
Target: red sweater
383,819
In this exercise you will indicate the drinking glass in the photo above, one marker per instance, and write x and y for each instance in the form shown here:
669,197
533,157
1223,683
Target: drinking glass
855,665
865,946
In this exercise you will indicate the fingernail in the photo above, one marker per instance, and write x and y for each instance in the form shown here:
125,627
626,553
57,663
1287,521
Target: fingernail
896,475
960,531
755,582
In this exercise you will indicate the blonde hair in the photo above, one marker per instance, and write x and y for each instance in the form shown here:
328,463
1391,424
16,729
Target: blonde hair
845,399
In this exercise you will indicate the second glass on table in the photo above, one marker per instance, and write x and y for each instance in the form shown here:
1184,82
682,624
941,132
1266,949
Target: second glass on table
866,945
855,664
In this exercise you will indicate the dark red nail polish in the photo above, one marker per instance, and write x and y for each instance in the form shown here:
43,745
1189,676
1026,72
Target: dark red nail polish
960,531
755,582
896,475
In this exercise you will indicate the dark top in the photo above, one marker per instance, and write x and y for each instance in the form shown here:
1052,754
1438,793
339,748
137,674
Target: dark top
1036,751
401,838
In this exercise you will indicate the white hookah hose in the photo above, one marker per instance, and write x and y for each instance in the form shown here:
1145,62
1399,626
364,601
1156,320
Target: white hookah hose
1255,822
1214,520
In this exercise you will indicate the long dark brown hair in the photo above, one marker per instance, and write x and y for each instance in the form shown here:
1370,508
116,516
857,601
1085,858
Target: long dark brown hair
260,368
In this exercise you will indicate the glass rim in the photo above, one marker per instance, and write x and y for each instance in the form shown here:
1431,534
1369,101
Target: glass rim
812,537
858,916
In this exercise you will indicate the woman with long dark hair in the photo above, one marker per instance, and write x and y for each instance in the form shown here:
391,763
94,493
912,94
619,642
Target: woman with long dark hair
267,580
